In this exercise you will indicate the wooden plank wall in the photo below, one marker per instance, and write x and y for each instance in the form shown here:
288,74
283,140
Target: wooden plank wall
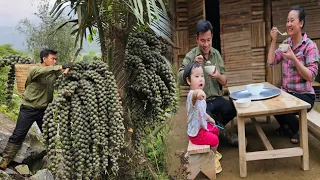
182,14
189,12
235,34
317,41
280,10
182,42
258,41
243,40
196,12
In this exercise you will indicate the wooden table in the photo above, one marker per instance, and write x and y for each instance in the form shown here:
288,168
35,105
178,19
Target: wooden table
282,104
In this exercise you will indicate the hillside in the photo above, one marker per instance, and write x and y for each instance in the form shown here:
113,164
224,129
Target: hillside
9,35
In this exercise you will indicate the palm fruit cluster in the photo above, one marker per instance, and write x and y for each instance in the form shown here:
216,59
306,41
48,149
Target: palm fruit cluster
83,126
166,48
150,90
10,61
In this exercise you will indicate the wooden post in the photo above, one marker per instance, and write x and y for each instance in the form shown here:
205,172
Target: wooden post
268,119
268,16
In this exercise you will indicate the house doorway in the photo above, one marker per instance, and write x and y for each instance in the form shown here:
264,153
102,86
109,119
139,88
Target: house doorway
213,16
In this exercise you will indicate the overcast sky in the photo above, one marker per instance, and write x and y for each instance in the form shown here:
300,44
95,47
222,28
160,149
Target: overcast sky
12,11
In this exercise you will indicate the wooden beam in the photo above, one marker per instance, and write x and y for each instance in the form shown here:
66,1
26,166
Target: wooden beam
268,119
274,154
313,123
313,120
262,136
268,17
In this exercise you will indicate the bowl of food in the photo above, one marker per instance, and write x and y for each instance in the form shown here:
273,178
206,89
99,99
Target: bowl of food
283,47
243,102
255,89
209,69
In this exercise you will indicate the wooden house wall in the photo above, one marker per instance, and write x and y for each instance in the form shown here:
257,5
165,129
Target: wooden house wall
196,12
181,33
243,40
186,25
181,36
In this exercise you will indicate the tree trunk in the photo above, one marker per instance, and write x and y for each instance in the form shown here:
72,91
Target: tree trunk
120,37
103,42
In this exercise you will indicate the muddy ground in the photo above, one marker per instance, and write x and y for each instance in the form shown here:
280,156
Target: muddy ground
284,168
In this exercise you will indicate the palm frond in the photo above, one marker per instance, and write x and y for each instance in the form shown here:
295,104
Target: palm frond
57,14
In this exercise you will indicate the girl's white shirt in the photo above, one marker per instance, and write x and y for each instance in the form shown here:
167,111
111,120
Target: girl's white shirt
196,115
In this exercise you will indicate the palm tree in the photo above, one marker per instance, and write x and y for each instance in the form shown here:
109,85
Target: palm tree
114,20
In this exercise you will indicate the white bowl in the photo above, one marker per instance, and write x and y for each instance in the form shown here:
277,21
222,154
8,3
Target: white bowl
255,89
209,69
283,47
243,103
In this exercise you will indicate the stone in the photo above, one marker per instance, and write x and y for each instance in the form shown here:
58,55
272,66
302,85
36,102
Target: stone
10,172
43,174
4,176
41,163
23,169
32,148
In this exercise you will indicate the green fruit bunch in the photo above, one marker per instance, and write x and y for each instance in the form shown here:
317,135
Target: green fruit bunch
151,87
83,126
10,61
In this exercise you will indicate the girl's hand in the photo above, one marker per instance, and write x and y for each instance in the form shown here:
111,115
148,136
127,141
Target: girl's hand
288,54
274,33
201,95
212,121
198,94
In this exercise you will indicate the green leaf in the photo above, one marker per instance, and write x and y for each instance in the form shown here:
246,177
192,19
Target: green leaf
155,9
163,8
140,8
56,7
149,11
56,16
90,38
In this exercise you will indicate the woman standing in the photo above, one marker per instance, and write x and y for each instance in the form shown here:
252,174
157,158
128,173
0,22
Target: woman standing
299,66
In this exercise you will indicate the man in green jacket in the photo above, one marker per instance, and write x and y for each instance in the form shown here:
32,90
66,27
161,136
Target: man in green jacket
220,109
35,99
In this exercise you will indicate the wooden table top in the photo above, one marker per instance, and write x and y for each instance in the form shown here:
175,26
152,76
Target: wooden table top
277,105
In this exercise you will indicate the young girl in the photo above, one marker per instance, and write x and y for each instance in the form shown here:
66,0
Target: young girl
201,127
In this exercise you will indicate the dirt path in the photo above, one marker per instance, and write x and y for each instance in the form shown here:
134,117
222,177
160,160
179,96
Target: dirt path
284,169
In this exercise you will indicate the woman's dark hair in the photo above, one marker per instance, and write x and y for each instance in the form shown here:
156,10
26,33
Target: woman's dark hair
46,52
204,26
188,69
302,13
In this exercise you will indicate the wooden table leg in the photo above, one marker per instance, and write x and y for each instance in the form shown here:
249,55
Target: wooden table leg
242,147
268,119
303,131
